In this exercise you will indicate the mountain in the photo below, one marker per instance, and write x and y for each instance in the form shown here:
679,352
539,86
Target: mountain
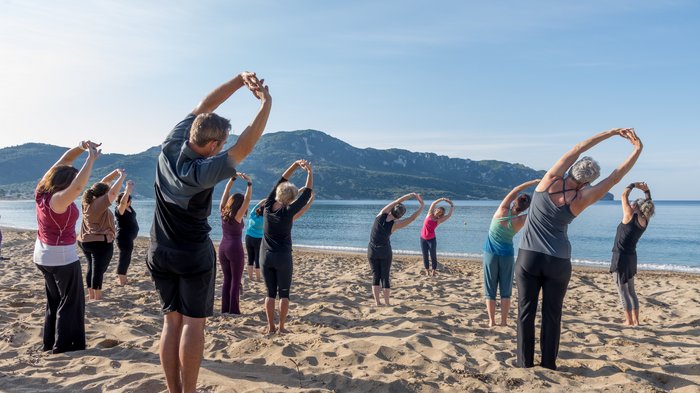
341,171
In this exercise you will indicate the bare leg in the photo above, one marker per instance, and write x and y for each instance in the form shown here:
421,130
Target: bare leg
257,274
629,319
284,309
427,272
635,316
270,314
375,292
122,279
387,292
250,272
91,294
191,351
505,308
169,350
491,311
98,294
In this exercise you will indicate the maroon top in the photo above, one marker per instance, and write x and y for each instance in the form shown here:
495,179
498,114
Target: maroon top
55,229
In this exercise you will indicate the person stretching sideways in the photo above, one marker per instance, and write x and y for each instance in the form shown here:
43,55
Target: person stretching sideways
428,242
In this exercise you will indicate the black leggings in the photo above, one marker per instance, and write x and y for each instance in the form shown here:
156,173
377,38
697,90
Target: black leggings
380,271
535,271
277,272
98,255
429,246
252,248
64,319
126,247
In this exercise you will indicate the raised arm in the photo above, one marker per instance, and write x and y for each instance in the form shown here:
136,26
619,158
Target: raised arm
73,153
219,95
434,205
111,176
62,199
627,210
406,221
116,186
306,207
513,194
568,159
387,209
449,213
292,168
226,193
246,199
592,194
306,165
249,137
124,202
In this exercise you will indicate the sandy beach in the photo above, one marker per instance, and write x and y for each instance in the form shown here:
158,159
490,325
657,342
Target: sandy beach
434,338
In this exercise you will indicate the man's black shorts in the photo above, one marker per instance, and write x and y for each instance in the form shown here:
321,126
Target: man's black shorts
184,279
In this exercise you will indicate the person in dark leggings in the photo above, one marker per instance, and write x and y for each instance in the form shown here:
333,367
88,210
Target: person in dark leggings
282,206
253,239
233,209
428,242
98,230
127,230
544,258
635,219
499,256
379,250
55,253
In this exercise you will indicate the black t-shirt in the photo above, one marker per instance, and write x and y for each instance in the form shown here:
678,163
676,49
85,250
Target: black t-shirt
127,226
277,225
184,185
380,238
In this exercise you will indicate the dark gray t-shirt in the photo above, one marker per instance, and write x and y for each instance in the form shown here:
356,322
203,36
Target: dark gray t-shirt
183,189
546,227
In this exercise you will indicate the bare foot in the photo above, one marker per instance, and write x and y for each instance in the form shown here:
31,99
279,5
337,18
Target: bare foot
503,323
282,331
122,279
434,273
269,330
492,324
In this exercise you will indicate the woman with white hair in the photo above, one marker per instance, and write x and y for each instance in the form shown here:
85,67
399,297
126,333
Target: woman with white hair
544,258
281,208
635,219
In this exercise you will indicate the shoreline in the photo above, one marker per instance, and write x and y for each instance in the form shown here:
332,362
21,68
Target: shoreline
355,251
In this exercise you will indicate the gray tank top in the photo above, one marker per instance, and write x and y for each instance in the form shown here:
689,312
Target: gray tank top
546,226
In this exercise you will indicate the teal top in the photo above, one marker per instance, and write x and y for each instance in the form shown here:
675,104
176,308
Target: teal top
500,239
255,224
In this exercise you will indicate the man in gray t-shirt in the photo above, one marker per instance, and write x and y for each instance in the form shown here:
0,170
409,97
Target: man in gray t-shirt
181,257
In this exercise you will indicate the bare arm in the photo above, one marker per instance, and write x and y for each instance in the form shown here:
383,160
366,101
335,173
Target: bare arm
246,199
387,209
306,165
124,203
449,213
111,176
292,168
249,137
225,195
592,194
434,205
62,199
306,207
505,204
116,186
72,154
568,159
219,95
627,210
406,221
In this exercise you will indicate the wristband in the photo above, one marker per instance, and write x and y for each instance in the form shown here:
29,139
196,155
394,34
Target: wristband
631,186
250,184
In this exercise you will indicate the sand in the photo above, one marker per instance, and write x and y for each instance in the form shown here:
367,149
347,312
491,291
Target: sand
434,338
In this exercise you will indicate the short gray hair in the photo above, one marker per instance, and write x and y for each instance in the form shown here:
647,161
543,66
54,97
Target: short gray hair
286,193
646,207
585,170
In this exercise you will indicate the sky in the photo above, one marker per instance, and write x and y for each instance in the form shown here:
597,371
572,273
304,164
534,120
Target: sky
509,80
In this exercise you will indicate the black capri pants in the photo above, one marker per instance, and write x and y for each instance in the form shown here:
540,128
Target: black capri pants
98,255
126,248
380,271
535,271
252,248
277,272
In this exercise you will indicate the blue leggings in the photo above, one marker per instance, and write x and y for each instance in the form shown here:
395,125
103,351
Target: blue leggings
429,247
498,271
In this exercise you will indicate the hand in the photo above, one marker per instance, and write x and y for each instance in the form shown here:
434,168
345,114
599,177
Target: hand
535,181
121,172
129,184
633,138
307,166
449,202
419,199
617,131
642,186
93,151
243,176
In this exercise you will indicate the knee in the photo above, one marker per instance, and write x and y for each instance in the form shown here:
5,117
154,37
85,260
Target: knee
284,293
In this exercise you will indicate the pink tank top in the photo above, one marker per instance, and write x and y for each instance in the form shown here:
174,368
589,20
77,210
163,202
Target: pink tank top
55,229
428,231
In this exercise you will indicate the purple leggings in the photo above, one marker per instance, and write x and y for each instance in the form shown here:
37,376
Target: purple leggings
231,257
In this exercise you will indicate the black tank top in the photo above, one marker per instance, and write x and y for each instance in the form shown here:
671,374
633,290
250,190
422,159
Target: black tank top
127,226
380,239
627,236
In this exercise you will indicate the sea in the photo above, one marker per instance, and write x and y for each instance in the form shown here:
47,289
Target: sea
671,242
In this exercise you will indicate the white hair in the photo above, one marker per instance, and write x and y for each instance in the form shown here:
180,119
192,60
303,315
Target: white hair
646,207
585,170
286,193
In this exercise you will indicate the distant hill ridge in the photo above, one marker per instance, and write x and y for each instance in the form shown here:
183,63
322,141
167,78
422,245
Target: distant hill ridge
341,170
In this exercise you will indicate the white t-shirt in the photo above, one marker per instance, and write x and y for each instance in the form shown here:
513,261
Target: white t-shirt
46,255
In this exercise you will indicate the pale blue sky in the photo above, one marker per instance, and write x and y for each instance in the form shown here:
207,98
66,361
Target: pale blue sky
515,81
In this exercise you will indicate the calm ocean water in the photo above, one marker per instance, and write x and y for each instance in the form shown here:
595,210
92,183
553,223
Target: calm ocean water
672,241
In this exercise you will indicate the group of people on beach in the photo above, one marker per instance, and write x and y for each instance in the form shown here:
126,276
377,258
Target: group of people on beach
182,259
